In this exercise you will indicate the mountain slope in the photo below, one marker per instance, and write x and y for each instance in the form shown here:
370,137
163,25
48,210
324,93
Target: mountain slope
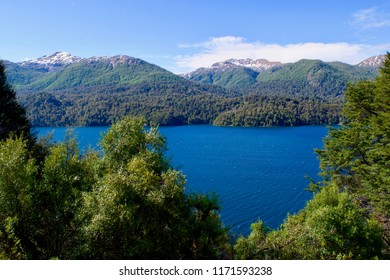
84,75
19,75
305,77
52,62
232,77
232,73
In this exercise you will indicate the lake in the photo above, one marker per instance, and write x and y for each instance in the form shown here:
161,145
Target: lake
258,173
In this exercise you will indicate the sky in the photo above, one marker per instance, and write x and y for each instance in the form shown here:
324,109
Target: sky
183,35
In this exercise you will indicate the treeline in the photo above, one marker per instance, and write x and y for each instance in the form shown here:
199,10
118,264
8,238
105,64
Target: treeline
48,109
255,110
331,89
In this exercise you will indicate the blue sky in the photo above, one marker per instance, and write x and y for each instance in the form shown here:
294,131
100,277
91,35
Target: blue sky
183,35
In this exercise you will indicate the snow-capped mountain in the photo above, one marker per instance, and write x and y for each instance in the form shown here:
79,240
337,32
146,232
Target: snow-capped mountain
257,65
374,61
58,59
62,71
64,59
241,73
231,73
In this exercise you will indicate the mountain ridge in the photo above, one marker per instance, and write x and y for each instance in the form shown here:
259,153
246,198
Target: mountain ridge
63,71
238,75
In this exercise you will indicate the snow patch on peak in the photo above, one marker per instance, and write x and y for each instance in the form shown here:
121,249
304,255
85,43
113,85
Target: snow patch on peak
254,64
374,61
58,58
257,65
114,60
223,65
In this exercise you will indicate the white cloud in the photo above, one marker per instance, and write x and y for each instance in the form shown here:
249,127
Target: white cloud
370,19
222,48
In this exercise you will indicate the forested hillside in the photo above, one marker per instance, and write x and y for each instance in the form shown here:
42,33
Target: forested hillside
305,77
62,90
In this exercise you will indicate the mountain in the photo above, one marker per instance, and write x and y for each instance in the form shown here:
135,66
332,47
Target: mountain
305,77
312,78
64,72
232,73
62,89
51,62
257,65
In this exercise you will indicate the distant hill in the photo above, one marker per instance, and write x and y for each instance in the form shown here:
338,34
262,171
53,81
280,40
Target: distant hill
232,73
305,77
311,78
62,72
62,89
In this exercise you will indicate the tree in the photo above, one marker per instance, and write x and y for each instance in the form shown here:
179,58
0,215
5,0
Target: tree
13,120
39,200
139,208
331,226
17,180
357,156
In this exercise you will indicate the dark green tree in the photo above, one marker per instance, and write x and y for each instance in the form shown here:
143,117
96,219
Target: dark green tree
13,120
357,156
139,208
39,200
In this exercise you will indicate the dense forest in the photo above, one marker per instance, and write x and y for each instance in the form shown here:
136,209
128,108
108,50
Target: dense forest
47,109
127,202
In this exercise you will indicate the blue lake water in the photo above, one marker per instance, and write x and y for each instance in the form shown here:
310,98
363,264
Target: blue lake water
258,173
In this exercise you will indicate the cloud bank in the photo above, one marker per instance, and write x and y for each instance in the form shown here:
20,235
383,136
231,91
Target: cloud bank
222,48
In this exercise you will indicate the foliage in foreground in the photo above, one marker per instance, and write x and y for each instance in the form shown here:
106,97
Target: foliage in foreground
329,227
125,203
349,217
